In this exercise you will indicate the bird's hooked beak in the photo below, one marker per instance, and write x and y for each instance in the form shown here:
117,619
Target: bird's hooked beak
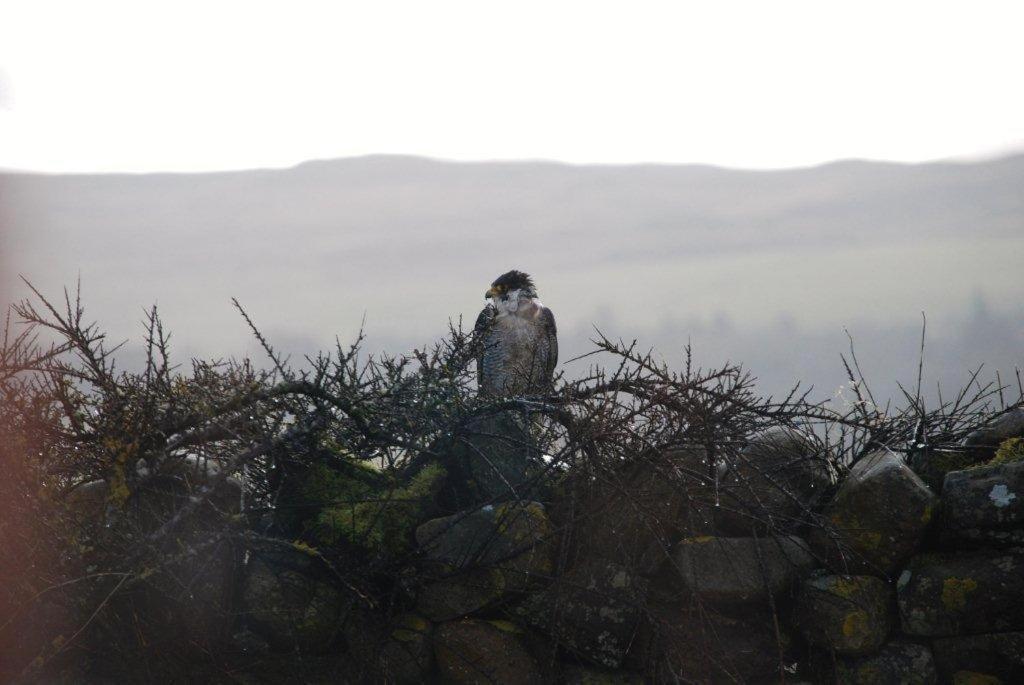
492,292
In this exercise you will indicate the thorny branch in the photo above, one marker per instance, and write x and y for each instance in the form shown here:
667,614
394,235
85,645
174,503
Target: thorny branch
71,418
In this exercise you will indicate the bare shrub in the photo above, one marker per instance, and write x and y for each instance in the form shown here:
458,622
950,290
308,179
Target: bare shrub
120,486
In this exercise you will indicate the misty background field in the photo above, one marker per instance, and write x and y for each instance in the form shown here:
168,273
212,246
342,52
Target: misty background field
763,267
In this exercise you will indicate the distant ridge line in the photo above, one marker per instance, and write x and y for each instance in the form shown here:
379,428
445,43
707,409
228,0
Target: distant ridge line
427,160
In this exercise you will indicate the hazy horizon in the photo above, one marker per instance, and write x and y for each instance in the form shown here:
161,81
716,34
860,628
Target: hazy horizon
1010,149
762,267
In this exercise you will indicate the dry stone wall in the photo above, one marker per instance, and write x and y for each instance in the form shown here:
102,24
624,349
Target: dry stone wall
877,578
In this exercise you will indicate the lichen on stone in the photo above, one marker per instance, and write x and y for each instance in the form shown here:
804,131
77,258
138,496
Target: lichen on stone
859,534
1001,495
955,591
973,678
855,624
700,539
505,626
301,546
926,515
410,627
844,587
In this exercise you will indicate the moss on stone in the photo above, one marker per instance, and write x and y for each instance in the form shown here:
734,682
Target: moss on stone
326,486
1009,451
378,520
951,460
507,513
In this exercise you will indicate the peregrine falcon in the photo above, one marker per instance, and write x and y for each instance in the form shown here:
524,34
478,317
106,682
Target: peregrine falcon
518,340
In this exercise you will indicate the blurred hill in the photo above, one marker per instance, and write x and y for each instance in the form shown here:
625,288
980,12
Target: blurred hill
765,267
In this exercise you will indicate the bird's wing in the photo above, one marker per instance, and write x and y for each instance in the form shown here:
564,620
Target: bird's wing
483,324
547,320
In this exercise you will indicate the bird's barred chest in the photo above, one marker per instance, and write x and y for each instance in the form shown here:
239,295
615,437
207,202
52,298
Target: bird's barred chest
515,335
517,351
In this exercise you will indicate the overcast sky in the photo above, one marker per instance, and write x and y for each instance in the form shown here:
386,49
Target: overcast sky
140,86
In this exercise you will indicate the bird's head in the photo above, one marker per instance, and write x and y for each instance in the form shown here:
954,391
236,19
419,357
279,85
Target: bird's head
514,284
